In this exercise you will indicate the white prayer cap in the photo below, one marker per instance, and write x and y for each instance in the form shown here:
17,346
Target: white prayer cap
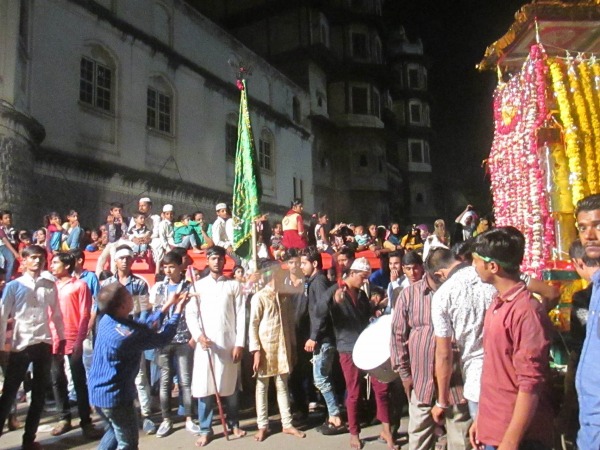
361,265
220,206
145,200
168,208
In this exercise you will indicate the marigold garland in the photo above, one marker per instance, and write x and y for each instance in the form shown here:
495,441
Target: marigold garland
571,137
582,122
593,97
518,180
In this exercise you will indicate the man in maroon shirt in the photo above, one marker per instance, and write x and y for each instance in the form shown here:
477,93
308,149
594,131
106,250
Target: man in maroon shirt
514,411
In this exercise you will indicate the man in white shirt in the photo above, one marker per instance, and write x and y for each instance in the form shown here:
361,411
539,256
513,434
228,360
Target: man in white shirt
33,302
217,321
457,312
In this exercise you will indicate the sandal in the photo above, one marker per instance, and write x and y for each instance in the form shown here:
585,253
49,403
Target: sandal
329,429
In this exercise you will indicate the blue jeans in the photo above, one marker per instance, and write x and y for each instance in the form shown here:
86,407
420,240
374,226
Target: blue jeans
206,406
188,241
184,357
322,363
122,430
473,409
139,248
9,262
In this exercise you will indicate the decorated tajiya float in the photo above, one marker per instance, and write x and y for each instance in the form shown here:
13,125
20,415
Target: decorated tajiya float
545,154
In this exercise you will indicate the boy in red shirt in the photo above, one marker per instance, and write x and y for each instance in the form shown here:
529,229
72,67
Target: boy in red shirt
514,411
75,303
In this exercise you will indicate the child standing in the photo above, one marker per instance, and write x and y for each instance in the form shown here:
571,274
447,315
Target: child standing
116,362
180,350
272,341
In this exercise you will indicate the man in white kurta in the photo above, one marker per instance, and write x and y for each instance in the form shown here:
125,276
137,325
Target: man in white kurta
216,320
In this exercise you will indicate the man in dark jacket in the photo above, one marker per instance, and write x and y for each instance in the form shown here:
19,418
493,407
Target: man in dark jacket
350,311
321,342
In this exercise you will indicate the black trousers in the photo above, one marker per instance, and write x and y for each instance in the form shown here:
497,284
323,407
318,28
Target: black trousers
61,394
40,356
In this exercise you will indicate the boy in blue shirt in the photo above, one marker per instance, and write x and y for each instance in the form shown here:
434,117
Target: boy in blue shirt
117,354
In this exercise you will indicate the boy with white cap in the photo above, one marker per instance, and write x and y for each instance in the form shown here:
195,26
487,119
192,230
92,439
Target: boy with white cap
350,311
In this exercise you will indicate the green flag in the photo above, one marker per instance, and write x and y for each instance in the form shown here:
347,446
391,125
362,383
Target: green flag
246,185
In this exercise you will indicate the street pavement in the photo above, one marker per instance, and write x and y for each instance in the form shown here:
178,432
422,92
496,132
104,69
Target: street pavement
181,439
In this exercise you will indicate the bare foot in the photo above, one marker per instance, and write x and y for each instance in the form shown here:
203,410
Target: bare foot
238,432
336,421
389,439
355,442
196,250
261,435
203,440
294,432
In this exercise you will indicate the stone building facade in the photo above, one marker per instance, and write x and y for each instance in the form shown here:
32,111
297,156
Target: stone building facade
108,100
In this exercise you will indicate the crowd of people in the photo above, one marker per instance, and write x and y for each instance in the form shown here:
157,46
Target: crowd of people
469,338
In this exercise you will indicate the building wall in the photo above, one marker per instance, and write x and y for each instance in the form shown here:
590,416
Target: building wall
193,66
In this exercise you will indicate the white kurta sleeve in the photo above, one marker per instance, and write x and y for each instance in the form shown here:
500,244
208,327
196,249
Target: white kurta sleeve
192,318
229,230
240,316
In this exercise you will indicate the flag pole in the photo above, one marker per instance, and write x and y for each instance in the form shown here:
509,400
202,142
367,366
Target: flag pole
246,186
254,251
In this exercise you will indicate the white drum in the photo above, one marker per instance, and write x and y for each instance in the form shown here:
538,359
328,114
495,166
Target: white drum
372,350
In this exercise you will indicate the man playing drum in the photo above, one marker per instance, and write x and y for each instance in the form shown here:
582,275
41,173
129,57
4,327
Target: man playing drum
350,312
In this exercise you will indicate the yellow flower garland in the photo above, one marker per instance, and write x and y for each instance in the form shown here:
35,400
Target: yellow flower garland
594,98
581,119
571,140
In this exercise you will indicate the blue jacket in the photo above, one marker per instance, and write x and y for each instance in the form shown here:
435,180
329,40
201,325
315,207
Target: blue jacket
587,379
117,356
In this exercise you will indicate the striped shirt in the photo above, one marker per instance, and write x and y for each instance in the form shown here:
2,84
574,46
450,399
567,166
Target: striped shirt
413,343
117,354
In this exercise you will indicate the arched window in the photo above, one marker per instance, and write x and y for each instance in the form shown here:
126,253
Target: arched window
231,135
266,151
162,23
159,105
97,78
